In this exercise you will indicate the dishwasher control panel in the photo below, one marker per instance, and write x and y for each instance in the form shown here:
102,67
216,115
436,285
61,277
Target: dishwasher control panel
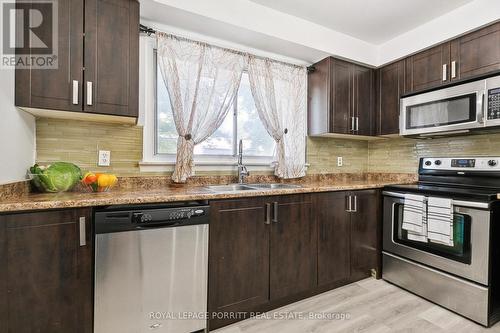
149,217
170,215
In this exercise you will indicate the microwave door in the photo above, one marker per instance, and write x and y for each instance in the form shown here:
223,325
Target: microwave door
451,109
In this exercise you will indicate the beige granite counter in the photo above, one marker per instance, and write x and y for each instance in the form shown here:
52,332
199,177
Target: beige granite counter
171,193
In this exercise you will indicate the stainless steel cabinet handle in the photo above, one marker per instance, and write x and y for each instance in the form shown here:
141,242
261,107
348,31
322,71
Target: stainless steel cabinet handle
75,92
275,212
444,72
268,214
83,234
89,93
348,204
453,69
353,125
355,199
357,123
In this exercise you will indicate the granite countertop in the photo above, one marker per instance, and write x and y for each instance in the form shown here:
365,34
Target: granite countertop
171,193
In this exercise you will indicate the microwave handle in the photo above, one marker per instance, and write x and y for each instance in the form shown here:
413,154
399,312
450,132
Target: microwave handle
480,108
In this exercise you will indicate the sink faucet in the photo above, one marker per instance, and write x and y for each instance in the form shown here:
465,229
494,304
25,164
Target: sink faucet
242,169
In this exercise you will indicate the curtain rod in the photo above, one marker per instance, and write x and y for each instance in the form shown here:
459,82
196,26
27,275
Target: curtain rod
150,31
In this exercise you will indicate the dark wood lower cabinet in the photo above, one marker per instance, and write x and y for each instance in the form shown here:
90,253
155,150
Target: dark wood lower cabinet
365,234
292,247
333,240
46,272
239,258
270,251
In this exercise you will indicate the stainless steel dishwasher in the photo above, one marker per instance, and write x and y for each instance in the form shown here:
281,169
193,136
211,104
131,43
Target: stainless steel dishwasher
151,268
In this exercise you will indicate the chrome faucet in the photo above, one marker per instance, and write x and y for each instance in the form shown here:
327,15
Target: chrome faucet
242,169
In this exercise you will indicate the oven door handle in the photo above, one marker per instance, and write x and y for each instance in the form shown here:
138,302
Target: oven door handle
458,203
393,217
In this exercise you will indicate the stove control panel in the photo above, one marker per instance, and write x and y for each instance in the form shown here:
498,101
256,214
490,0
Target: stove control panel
487,163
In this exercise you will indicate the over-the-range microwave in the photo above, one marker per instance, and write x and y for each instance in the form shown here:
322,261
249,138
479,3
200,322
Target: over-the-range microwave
453,110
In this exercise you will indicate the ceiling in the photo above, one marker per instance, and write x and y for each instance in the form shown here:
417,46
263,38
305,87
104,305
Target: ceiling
373,21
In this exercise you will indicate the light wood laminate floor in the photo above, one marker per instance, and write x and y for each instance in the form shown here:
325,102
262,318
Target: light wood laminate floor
371,306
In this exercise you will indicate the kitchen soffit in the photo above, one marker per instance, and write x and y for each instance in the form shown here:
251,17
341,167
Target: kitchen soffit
372,21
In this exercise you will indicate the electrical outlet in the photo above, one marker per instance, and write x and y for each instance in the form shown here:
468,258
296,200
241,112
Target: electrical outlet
104,158
340,161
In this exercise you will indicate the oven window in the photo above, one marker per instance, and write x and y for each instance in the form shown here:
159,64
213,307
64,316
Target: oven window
461,249
444,112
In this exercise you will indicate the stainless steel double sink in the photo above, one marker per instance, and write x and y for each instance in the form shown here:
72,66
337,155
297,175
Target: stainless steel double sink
251,187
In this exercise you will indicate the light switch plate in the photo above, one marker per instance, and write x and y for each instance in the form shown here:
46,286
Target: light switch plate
104,158
340,161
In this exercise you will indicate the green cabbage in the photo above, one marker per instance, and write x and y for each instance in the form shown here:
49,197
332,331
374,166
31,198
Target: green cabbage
57,177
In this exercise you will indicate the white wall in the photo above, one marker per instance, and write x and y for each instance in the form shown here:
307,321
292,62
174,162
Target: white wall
457,22
17,133
249,23
283,33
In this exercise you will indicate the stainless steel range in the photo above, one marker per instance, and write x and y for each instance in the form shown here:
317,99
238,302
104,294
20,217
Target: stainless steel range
439,235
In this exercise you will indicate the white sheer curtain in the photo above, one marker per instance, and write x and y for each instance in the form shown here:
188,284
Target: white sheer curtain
279,92
202,82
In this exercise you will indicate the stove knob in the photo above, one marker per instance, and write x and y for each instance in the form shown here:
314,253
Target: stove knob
428,163
492,163
437,162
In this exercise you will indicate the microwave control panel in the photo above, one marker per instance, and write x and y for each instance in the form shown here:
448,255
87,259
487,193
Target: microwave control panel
494,103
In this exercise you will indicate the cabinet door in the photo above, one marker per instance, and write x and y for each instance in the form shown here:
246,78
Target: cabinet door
390,86
239,257
363,99
341,97
365,233
333,238
53,88
111,57
318,97
476,53
293,246
425,69
46,272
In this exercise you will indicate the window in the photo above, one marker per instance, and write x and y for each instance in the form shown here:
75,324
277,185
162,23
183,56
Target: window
241,123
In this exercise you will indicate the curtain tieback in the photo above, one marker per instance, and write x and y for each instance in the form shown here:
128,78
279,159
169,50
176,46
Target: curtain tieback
188,137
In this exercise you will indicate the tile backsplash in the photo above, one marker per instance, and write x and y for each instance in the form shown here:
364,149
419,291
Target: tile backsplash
78,142
401,154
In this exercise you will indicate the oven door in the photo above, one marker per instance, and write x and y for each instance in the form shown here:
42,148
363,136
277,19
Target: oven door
468,258
451,109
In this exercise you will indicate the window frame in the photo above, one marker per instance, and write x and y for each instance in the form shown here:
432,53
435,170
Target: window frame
154,162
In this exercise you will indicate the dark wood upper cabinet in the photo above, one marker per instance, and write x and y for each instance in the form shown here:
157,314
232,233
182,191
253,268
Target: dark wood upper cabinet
98,61
46,270
428,69
365,233
476,53
390,81
239,257
292,246
333,241
52,88
111,57
340,98
363,100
